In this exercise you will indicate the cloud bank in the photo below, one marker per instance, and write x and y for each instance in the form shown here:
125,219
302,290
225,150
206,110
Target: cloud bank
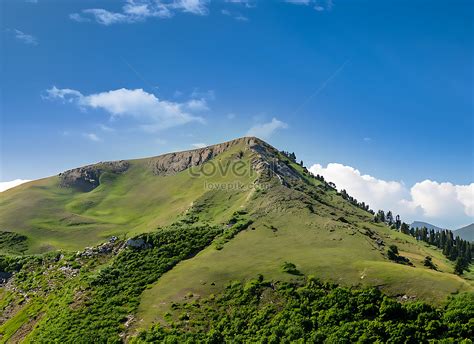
149,111
11,184
133,11
444,204
139,10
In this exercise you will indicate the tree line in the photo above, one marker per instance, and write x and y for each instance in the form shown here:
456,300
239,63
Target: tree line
454,248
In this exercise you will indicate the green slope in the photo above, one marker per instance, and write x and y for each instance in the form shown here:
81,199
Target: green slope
318,245
267,211
136,201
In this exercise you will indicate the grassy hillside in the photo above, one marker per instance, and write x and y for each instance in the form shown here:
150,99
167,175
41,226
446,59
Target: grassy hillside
213,216
318,245
54,217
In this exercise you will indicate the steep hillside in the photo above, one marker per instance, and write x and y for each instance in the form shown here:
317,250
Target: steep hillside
87,205
179,228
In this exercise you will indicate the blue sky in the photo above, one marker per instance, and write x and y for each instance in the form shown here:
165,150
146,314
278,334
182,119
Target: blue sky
383,87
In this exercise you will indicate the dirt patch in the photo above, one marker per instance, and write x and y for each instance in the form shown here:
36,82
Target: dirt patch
25,329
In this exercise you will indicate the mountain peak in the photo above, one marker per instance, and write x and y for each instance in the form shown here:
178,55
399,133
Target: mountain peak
87,178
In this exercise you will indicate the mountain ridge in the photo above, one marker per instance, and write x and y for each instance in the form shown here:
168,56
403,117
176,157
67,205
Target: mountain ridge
466,232
135,237
421,224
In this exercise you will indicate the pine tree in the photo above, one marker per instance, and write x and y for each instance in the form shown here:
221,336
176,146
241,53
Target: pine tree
389,218
459,267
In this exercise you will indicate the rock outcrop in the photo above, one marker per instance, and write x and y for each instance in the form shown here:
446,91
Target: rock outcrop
265,161
173,163
86,178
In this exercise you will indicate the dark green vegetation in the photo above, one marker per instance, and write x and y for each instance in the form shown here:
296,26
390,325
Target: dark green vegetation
106,251
94,305
454,248
12,242
266,312
394,255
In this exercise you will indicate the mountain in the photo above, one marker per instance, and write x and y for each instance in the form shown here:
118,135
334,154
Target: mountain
420,224
466,233
102,252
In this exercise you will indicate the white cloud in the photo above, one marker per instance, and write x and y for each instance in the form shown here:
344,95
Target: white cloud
266,130
445,204
443,199
78,18
235,15
11,184
105,17
152,113
198,145
379,194
139,10
23,37
246,3
64,94
193,6
197,105
319,5
298,2
92,137
241,18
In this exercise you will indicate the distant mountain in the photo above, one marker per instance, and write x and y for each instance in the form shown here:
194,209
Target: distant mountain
466,233
421,224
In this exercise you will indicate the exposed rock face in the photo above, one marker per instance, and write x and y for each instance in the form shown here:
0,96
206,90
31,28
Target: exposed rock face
172,163
86,178
265,161
268,163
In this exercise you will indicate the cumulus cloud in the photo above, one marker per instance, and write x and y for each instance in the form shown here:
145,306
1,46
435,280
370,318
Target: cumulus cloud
378,193
139,10
11,184
444,204
266,130
151,112
443,199
24,37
